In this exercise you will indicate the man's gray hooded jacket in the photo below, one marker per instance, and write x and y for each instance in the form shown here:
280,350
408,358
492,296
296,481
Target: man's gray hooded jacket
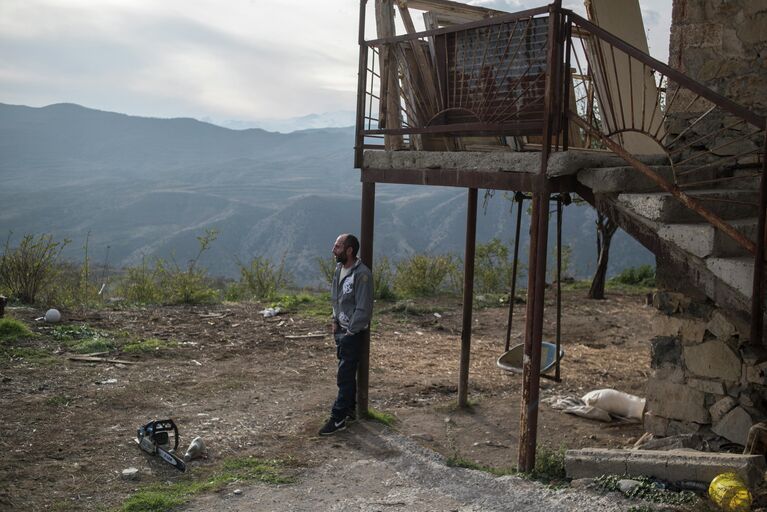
352,298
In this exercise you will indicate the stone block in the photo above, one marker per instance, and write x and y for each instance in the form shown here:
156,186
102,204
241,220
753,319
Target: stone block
734,426
665,351
720,326
721,408
689,330
756,374
713,359
656,425
673,465
677,427
703,35
752,32
676,401
669,302
713,387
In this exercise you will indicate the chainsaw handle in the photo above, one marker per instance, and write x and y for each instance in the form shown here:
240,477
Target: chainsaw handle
167,426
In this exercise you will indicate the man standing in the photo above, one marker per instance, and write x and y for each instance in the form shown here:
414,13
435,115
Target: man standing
352,297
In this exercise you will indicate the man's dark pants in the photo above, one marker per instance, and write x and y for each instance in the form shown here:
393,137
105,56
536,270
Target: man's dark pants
348,348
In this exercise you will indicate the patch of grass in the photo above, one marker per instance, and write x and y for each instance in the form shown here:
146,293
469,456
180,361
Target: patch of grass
13,330
58,401
310,304
549,465
148,345
647,490
381,417
163,497
93,345
28,354
74,332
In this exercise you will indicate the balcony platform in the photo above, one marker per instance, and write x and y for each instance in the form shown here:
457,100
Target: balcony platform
499,170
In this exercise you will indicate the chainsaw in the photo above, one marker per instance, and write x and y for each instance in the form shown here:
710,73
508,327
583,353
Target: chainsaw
154,438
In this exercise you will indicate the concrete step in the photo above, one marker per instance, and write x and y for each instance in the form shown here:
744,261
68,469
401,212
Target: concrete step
736,272
610,180
671,466
703,240
728,204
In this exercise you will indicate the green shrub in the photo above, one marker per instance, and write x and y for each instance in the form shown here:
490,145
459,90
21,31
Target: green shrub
190,286
140,285
383,279
262,279
423,275
493,268
641,276
327,268
12,330
167,282
25,270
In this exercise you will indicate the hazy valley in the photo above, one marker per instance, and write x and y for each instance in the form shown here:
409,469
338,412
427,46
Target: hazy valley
146,187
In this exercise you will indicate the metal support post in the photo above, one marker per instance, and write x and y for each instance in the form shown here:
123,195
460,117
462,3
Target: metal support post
468,297
366,255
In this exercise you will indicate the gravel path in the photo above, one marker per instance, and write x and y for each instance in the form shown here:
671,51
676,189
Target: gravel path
371,468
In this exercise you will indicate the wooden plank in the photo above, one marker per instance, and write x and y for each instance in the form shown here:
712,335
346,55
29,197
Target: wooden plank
627,90
93,359
452,8
390,94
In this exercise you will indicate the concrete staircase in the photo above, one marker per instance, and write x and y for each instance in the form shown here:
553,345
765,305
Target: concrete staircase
702,256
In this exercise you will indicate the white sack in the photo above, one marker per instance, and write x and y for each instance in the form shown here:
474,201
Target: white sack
616,402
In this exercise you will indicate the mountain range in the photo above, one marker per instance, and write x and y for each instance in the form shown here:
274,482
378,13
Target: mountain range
138,187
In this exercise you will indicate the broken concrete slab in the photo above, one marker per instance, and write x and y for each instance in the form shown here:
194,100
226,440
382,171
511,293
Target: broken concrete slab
671,465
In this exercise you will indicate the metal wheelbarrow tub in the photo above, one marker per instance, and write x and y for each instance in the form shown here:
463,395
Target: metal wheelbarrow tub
511,361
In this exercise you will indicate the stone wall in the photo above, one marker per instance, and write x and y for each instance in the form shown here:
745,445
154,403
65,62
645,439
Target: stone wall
700,382
723,44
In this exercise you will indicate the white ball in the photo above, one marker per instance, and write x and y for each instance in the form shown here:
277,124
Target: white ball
52,316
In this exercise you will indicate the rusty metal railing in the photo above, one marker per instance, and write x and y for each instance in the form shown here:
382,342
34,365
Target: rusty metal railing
631,104
481,78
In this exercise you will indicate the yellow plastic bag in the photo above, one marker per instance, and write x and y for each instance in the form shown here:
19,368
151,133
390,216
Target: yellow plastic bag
730,493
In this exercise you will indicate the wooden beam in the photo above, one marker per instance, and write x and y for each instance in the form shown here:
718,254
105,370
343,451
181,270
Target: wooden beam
448,7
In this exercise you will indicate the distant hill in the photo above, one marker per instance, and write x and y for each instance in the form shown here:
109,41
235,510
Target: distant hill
148,187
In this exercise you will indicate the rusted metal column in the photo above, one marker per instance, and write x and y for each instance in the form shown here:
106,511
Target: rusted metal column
468,297
533,331
366,255
557,376
539,227
757,292
359,139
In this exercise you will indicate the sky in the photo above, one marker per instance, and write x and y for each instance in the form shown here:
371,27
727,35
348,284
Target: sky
237,60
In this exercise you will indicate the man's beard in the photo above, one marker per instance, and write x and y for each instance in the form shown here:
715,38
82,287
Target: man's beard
341,258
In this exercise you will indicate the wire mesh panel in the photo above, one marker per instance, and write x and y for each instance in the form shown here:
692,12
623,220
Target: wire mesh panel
494,74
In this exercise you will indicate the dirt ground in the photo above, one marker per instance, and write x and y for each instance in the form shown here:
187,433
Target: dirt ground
237,380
